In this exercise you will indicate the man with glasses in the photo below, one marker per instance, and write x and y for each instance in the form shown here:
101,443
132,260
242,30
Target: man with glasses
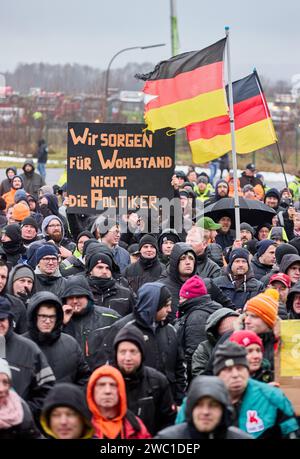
45,318
53,230
48,276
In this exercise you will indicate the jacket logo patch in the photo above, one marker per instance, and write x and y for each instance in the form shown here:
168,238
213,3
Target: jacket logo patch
254,422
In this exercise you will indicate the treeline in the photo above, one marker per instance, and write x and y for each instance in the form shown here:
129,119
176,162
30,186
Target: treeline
74,78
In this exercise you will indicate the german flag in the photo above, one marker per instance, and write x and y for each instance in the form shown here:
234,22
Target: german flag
254,129
186,89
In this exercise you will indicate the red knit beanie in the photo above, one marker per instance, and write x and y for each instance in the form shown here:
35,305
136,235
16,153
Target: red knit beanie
245,338
193,287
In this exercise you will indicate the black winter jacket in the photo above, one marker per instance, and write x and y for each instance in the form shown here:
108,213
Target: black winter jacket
55,284
62,351
150,398
259,269
239,296
207,267
191,324
141,272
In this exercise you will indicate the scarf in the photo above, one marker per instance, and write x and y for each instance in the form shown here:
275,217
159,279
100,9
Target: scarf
148,263
11,411
102,284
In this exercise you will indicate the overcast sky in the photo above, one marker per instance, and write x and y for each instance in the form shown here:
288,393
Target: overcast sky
264,33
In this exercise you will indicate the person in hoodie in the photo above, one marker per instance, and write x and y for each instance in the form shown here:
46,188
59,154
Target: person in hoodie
264,259
195,305
239,283
74,264
222,190
219,323
293,302
148,268
205,266
226,236
48,206
16,421
31,180
48,277
162,348
106,290
290,265
5,185
17,305
281,250
272,199
12,244
106,398
166,241
32,377
16,184
82,318
64,355
53,230
148,391
182,266
21,283
208,414
65,415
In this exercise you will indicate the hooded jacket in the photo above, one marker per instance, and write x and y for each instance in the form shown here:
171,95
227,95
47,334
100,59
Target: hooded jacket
66,394
287,261
205,349
5,185
207,267
191,325
290,300
163,351
205,386
55,283
61,350
32,377
31,180
125,425
173,282
175,237
65,242
82,326
148,392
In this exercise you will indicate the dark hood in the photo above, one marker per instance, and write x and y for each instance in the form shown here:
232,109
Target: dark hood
94,246
287,261
217,196
213,322
290,299
77,286
11,168
33,305
52,203
209,386
148,300
204,302
31,163
66,394
178,250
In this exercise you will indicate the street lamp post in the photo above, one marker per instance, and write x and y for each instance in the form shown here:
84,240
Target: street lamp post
106,90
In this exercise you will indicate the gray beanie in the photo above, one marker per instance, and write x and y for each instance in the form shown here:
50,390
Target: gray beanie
4,368
228,355
22,272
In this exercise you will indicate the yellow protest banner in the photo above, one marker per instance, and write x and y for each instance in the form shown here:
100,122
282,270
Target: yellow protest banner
290,348
287,361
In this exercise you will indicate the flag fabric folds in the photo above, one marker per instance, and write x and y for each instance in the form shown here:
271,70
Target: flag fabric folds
254,129
186,89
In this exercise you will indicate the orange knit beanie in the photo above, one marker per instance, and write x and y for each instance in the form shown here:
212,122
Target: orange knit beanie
265,305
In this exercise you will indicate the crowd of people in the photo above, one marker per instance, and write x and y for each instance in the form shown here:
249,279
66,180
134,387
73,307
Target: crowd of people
109,331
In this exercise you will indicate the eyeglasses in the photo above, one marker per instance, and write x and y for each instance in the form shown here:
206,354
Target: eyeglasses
44,317
50,259
54,226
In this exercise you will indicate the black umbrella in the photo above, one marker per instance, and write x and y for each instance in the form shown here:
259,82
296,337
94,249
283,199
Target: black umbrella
251,211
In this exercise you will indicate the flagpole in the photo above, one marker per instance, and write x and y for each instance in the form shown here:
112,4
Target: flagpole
233,144
282,166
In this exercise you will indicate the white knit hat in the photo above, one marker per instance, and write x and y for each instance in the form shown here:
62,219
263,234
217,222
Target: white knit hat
4,368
